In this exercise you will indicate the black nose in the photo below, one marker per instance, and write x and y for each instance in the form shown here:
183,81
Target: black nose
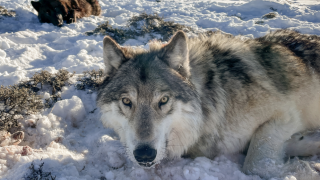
145,154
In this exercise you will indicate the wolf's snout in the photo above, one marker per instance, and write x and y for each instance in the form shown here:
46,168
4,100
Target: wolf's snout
144,154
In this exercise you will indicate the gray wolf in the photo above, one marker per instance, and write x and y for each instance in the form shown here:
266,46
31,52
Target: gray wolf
57,11
213,95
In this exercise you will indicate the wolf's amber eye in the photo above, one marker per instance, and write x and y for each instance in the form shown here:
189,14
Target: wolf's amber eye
163,100
126,101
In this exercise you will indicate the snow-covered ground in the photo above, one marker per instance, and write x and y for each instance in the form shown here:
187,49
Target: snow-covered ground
85,149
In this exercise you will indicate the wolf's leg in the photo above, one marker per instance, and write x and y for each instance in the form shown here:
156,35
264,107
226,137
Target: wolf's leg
306,143
266,154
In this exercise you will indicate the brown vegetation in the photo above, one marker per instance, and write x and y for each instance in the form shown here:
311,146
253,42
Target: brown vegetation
57,11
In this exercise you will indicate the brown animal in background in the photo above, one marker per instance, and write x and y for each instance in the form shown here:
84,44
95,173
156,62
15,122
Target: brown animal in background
57,11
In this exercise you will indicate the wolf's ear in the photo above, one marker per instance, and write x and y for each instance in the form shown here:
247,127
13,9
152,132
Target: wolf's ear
113,56
36,5
176,54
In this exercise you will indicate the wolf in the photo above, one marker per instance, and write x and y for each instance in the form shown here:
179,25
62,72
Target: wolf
213,95
57,11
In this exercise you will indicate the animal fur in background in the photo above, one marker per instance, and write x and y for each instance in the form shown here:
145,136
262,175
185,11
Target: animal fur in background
214,95
57,11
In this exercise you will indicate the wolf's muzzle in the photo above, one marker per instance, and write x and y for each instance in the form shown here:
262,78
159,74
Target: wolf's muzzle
145,155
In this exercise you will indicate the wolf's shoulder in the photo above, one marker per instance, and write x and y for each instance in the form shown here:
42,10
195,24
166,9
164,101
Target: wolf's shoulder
306,47
277,59
285,36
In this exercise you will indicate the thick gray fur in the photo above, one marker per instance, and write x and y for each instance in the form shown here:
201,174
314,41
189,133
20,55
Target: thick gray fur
224,92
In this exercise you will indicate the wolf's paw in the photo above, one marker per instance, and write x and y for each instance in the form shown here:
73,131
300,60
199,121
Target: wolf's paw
115,160
295,146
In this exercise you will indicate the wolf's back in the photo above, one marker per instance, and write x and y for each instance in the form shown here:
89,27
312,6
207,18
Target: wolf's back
283,59
306,47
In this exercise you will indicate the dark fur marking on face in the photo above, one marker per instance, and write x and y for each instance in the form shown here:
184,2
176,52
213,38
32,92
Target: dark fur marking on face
143,74
135,71
170,111
182,98
120,110
144,122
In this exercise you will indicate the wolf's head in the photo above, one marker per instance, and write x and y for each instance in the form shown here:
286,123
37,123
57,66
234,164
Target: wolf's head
148,100
54,11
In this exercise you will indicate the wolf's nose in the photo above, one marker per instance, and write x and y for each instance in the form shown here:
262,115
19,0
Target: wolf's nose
145,154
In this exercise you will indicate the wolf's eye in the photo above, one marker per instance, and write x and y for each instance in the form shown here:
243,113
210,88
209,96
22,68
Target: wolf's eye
163,101
126,101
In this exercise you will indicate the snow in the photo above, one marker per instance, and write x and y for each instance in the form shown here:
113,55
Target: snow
69,138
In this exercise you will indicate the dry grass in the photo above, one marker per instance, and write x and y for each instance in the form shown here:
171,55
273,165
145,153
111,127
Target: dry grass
269,15
21,99
6,13
142,25
38,173
90,80
259,22
16,101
